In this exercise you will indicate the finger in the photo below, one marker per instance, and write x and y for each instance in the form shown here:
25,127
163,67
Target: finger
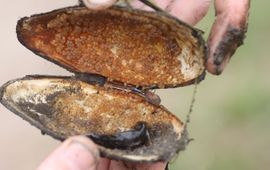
104,164
160,3
76,153
98,4
141,166
189,11
227,32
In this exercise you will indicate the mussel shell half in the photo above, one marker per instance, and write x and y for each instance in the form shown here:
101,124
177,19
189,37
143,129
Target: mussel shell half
64,106
147,49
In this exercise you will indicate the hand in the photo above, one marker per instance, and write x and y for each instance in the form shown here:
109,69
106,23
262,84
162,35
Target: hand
80,153
228,30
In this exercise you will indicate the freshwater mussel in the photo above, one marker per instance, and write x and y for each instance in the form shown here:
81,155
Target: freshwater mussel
117,55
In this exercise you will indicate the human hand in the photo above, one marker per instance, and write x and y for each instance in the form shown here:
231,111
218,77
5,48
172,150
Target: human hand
228,30
80,153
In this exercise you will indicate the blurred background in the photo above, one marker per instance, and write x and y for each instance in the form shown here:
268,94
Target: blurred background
230,121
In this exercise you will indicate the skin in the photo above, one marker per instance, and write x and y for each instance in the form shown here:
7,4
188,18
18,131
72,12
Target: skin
80,153
227,34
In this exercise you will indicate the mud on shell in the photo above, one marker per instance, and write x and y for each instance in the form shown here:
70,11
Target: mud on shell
65,106
146,49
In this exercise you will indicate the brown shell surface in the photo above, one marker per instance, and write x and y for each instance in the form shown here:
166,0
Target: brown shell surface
63,107
131,46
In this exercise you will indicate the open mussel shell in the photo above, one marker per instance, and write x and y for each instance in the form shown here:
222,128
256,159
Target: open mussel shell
146,49
124,125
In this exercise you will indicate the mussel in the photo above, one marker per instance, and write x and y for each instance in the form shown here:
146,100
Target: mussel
117,55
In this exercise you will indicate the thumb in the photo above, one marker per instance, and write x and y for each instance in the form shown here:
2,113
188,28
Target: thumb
98,4
76,153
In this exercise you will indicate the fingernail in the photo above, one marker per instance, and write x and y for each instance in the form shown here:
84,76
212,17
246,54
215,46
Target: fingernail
98,4
218,59
80,155
97,1
220,62
218,70
217,62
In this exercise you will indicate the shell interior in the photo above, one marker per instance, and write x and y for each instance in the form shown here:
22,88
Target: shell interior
65,106
141,48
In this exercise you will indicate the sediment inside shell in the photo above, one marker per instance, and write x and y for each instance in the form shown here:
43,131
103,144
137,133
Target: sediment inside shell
141,48
63,107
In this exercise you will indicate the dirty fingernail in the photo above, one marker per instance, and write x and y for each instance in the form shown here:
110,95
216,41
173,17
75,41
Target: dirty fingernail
218,63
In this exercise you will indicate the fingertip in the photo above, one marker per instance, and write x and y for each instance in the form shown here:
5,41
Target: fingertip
75,153
227,33
98,4
212,68
216,64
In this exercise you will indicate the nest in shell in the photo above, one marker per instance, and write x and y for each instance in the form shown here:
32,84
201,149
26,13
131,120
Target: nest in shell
117,55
